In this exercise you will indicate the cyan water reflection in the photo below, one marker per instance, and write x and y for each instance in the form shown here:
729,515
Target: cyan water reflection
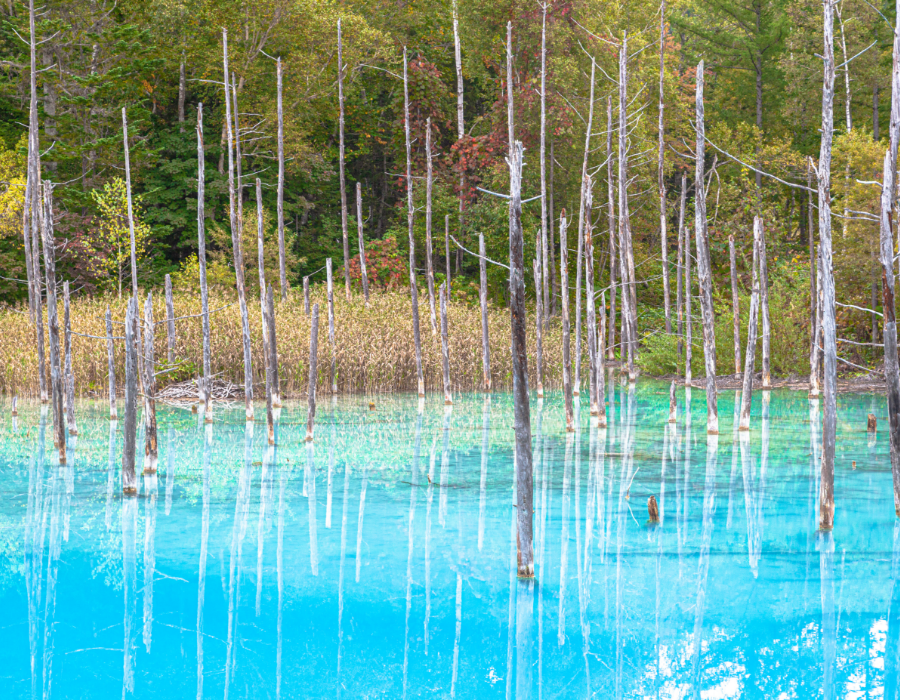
380,562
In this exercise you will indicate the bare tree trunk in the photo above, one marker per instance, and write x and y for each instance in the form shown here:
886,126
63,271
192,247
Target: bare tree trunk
611,222
170,321
35,207
345,236
735,307
56,376
600,374
522,421
891,366
689,321
576,390
445,347
764,308
566,340
238,255
111,360
134,284
661,181
306,295
447,248
538,323
362,243
182,88
544,247
271,365
148,365
263,307
588,186
313,372
826,490
429,267
70,375
626,255
679,264
704,272
281,254
753,323
460,132
129,481
413,289
554,280
482,293
273,351
330,292
206,381
813,316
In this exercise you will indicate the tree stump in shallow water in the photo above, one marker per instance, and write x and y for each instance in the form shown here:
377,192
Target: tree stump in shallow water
872,423
653,509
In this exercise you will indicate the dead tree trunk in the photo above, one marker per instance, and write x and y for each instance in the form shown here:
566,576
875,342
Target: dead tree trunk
134,284
70,375
236,242
362,243
206,381
313,372
151,450
482,293
544,261
56,377
281,255
611,220
413,289
344,234
735,307
522,420
891,366
661,180
750,356
689,321
34,174
263,307
826,490
764,308
704,272
566,340
815,351
330,292
460,132
306,295
626,254
129,480
445,347
170,321
554,280
600,376
810,209
273,351
182,89
538,323
581,226
447,248
429,267
591,308
679,264
111,360
271,365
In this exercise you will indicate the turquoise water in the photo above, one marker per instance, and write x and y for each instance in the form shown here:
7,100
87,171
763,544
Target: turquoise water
380,562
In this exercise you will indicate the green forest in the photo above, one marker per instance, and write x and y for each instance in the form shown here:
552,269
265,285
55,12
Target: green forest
160,59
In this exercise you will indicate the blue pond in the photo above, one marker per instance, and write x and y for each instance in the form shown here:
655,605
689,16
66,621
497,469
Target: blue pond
380,562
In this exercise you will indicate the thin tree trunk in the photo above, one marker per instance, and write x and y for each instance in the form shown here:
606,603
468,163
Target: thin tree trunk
875,135
330,292
445,347
34,175
891,366
588,186
134,284
236,227
306,295
447,248
626,255
812,263
271,379
538,324
566,340
273,351
281,254
661,181
753,323
111,361
70,375
689,321
815,353
26,235
522,420
129,481
429,269
544,247
611,219
56,377
344,234
704,272
679,264
151,450
600,370
764,309
673,402
362,243
206,382
182,88
170,321
826,490
263,307
482,293
554,280
413,289
460,132
576,389
735,307
313,372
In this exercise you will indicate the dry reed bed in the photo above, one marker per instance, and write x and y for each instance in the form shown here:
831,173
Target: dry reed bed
374,349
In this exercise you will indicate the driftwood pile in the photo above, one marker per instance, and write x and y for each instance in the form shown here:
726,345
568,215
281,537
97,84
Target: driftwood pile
188,391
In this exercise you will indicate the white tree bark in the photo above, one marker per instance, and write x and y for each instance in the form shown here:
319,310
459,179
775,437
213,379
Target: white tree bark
482,294
362,243
588,186
330,292
538,323
626,253
661,181
56,376
344,235
689,321
764,310
735,306
429,266
611,220
281,255
679,265
313,372
576,389
306,295
148,366
564,298
206,381
69,374
544,218
111,361
445,347
170,321
750,356
129,431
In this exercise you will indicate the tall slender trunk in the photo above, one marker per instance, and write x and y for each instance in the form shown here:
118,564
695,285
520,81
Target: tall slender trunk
588,186
482,294
56,377
626,254
344,235
445,347
134,284
538,323
281,254
429,267
206,381
704,273
272,390
170,321
330,292
679,265
362,243
891,366
661,181
413,289
69,374
544,246
313,372
580,255
735,306
551,222
750,357
764,310
810,210
611,222
460,132
566,341
148,366
111,363
182,88
826,490
263,308
689,321
129,429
